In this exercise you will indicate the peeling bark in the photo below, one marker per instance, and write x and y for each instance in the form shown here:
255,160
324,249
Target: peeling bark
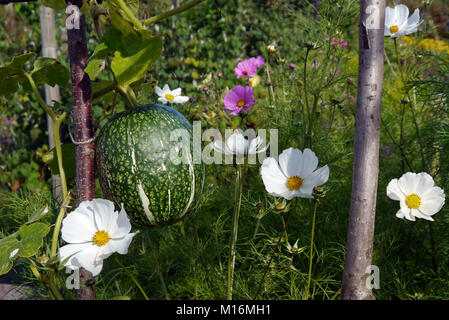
366,152
83,133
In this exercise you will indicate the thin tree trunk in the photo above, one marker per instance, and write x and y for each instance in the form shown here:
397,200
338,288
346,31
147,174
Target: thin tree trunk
366,152
83,133
48,35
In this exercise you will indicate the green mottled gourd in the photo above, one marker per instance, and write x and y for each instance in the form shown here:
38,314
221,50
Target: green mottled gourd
134,160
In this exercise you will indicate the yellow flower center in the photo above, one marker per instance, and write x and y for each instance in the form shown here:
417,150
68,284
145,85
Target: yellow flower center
169,97
101,238
241,103
245,73
394,29
413,201
294,183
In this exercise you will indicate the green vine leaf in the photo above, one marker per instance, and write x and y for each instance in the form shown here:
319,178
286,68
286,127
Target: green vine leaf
7,246
135,59
97,61
50,71
119,19
11,74
31,237
99,86
132,56
46,70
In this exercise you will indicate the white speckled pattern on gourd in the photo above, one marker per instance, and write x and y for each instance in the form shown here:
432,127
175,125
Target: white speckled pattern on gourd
134,166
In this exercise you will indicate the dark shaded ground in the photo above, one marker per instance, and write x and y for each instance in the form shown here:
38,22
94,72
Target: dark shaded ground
12,288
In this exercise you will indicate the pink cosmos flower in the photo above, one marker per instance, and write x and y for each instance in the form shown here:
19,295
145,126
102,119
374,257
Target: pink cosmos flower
249,67
258,62
245,68
338,42
240,98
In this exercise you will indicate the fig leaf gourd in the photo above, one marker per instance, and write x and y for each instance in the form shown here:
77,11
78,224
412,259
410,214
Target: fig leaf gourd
134,160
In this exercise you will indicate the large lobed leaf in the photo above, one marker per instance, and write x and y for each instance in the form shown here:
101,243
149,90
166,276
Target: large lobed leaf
27,241
46,70
133,55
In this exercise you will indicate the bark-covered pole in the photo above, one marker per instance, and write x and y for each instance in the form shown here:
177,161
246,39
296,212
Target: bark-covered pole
49,46
82,121
357,272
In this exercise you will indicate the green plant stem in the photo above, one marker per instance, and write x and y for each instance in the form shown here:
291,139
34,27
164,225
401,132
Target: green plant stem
289,214
172,12
398,145
41,101
234,230
62,210
306,99
57,227
57,124
401,133
315,205
418,133
256,229
125,93
136,22
132,277
53,287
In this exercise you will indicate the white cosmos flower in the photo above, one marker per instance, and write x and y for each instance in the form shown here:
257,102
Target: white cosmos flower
172,96
94,231
418,196
398,23
295,175
236,143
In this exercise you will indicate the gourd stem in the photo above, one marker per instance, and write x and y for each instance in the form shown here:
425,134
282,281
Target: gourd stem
234,231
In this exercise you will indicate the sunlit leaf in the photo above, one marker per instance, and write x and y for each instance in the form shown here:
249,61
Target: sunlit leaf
136,59
7,246
31,237
120,19
97,61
